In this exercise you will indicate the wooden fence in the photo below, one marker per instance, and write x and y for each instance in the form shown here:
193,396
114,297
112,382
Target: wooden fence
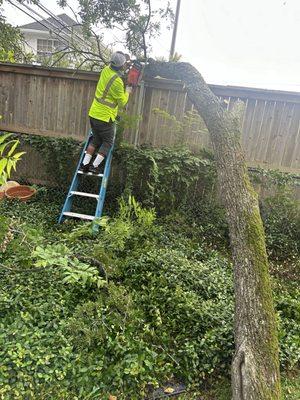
55,102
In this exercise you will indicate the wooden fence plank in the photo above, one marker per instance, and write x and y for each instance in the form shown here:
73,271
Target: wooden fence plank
269,157
247,124
162,136
147,114
283,133
255,137
295,158
291,141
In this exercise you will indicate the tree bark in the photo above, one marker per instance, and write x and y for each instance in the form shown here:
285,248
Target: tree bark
255,366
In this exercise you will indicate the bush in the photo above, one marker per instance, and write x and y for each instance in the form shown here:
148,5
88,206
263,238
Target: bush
114,343
188,305
33,350
288,307
281,216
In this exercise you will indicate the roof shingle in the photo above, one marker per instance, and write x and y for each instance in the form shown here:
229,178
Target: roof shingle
50,22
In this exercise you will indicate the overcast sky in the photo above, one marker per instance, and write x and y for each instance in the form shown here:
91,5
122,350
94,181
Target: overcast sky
233,42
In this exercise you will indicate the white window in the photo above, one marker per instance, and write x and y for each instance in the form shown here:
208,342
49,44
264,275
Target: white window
45,47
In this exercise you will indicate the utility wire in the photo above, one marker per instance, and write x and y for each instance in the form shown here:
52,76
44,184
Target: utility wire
75,44
52,27
62,23
40,22
49,25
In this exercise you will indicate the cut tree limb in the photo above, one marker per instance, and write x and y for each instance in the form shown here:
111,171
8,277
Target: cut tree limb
255,367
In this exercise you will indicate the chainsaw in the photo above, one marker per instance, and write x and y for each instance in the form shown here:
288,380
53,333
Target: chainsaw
134,73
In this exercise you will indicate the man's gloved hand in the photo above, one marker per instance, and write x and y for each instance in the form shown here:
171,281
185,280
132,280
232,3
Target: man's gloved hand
128,89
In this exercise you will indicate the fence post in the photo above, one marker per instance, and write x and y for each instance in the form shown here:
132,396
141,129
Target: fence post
139,112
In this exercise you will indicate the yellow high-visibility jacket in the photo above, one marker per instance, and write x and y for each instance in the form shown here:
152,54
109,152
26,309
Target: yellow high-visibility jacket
109,96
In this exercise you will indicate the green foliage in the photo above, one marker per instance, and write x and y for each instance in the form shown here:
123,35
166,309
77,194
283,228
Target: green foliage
33,350
8,156
291,386
114,343
133,210
74,272
288,308
7,56
3,227
281,216
167,178
272,178
159,303
172,179
138,19
59,155
11,41
39,213
128,231
184,300
163,311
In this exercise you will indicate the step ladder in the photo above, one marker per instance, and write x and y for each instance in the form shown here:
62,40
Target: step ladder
100,197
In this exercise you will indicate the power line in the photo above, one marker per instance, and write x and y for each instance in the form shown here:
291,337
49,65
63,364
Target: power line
86,45
51,27
43,22
74,46
62,23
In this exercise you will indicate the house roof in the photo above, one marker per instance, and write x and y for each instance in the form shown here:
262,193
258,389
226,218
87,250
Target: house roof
49,22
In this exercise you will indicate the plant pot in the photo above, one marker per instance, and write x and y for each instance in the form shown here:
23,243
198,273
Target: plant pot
2,195
21,192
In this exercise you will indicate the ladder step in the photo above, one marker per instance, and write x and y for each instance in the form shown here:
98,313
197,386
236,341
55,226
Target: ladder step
89,173
83,194
76,215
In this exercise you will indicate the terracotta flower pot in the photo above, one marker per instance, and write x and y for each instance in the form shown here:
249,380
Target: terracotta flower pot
2,195
21,192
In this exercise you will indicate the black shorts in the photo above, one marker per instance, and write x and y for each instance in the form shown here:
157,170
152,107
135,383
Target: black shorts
103,135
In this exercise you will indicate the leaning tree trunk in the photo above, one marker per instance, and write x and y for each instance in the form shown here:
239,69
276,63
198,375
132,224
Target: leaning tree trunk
255,367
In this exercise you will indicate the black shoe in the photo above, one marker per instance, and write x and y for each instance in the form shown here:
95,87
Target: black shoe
94,170
84,168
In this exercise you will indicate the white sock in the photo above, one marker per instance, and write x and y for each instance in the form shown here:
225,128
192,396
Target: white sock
87,158
98,160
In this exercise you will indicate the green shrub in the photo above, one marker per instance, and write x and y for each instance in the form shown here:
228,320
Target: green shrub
281,216
167,177
188,306
115,346
288,307
33,350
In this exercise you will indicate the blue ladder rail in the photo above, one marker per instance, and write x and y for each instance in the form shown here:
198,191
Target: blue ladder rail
100,197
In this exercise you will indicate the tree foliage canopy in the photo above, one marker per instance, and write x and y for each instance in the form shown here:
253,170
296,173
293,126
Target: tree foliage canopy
136,20
11,40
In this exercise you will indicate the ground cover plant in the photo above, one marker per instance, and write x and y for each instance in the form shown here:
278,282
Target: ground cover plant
149,300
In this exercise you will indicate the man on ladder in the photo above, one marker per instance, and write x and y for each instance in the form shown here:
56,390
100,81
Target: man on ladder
109,96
